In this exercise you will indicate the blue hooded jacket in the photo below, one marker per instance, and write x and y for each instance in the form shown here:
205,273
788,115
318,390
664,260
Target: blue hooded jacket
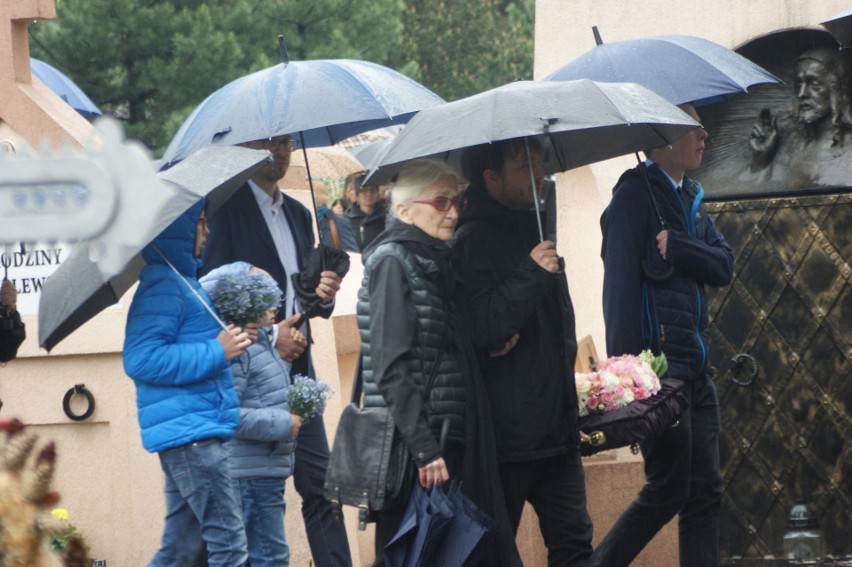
184,388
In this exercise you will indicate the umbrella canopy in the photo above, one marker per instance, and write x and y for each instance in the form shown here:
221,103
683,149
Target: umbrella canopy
840,27
325,101
59,83
583,122
326,162
97,273
369,155
679,68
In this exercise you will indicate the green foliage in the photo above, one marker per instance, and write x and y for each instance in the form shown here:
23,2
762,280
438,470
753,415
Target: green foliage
150,62
462,48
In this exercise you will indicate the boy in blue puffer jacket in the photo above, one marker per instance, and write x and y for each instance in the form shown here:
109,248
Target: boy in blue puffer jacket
261,454
179,358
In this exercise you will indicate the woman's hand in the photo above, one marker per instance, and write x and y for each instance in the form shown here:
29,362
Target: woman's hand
434,473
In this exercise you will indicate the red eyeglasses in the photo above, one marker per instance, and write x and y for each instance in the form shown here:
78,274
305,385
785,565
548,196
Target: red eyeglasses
443,203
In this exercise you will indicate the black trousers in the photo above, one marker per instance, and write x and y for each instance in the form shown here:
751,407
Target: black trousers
682,477
556,489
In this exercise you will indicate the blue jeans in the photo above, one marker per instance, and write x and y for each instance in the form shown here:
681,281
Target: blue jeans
200,503
263,505
682,477
556,489
326,534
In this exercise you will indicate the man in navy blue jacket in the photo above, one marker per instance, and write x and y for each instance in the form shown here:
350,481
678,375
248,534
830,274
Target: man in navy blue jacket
268,229
653,298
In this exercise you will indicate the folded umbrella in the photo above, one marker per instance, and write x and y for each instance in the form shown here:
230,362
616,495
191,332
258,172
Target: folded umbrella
424,524
98,272
305,282
468,526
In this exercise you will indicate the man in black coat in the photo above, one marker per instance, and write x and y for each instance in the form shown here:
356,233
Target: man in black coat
262,226
523,324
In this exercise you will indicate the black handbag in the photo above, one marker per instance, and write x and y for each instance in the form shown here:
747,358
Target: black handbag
369,465
360,457
635,422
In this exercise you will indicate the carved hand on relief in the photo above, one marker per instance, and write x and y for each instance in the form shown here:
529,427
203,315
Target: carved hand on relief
763,140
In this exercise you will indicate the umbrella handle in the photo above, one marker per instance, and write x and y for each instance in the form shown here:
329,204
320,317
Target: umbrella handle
650,275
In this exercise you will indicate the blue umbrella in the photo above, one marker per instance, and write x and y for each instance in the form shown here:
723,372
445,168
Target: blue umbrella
441,527
324,101
65,88
679,68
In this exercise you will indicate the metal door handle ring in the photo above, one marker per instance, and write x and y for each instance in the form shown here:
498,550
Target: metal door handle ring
83,391
737,362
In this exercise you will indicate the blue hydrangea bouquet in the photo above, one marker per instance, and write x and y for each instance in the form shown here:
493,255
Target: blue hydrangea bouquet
308,397
245,297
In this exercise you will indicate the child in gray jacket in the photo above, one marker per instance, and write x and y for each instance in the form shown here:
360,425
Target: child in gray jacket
261,453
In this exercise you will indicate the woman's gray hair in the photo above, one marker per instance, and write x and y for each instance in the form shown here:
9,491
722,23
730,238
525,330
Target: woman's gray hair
416,176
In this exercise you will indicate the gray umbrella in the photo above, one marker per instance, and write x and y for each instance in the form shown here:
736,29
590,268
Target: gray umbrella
368,155
97,273
582,122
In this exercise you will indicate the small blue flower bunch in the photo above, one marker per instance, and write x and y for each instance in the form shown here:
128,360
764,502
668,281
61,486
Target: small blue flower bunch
308,397
243,298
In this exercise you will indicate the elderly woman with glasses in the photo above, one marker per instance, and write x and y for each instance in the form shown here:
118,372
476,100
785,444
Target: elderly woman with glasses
417,355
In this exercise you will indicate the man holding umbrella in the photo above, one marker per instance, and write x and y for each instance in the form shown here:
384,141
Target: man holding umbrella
523,319
660,248
262,226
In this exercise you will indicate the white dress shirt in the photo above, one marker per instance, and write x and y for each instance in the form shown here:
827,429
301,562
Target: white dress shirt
282,236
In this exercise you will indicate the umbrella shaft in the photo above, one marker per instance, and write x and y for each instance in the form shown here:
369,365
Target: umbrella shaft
534,192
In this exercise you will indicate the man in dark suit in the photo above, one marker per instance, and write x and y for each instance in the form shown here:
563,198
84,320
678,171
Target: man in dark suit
262,226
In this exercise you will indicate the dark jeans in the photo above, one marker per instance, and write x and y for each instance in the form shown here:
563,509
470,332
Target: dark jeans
682,477
556,488
202,515
326,534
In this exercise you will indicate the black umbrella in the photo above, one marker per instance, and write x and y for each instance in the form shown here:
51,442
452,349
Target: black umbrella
840,27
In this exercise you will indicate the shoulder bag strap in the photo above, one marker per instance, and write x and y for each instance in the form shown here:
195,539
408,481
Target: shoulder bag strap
332,227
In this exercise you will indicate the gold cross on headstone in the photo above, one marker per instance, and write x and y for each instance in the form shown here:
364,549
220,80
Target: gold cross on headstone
14,43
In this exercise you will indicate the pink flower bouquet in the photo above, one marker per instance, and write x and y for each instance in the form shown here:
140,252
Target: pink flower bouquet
619,381
624,402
